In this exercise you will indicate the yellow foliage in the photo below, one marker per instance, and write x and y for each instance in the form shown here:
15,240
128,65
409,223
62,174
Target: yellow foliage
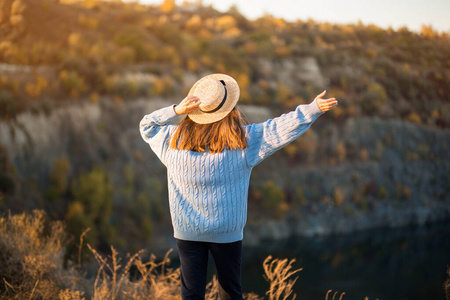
167,6
225,23
60,174
89,3
88,22
94,97
16,20
340,151
192,65
204,33
34,89
372,53
221,68
194,23
243,81
284,92
435,114
364,154
232,33
250,48
406,192
206,61
4,80
263,84
74,39
123,55
72,83
428,31
7,48
17,7
283,51
414,117
338,197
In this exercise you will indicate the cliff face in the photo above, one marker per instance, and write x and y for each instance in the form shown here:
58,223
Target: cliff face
403,181
384,159
343,175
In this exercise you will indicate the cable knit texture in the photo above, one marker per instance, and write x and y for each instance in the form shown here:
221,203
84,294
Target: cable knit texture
208,191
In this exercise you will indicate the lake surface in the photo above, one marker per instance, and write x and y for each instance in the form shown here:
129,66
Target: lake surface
407,263
403,263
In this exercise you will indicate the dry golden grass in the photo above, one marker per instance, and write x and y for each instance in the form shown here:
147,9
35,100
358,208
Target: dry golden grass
32,267
278,274
31,259
335,294
156,280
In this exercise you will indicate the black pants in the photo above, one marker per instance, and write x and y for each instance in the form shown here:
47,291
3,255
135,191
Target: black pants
194,262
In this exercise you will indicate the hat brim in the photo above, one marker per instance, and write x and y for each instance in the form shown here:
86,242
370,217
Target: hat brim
233,94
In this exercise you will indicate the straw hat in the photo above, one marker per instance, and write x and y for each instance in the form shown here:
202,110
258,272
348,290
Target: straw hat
218,95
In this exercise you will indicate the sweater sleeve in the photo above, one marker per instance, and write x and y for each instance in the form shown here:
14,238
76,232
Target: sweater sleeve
155,130
267,137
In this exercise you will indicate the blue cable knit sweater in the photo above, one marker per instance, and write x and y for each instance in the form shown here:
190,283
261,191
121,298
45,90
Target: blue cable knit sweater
208,192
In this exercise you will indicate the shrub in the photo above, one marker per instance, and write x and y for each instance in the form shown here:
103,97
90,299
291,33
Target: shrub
72,83
374,97
338,197
299,196
273,199
31,258
93,206
9,105
59,178
340,151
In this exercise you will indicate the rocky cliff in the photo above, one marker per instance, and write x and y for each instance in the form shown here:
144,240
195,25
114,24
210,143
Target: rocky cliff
389,173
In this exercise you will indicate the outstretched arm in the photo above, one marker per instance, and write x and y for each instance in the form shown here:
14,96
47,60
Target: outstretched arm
266,138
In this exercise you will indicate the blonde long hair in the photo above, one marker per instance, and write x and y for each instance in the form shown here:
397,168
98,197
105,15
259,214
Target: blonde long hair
227,133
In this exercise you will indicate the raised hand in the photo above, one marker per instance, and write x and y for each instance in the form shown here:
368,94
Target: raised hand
187,105
325,104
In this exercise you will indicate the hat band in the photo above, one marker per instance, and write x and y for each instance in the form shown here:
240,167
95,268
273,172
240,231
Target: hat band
221,103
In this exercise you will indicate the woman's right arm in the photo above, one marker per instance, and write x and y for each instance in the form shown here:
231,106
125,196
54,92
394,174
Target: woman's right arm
266,138
155,130
154,127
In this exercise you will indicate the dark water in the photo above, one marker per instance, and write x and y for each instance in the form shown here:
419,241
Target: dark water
386,264
405,263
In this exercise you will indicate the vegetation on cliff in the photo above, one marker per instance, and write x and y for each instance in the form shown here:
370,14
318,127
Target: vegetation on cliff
89,49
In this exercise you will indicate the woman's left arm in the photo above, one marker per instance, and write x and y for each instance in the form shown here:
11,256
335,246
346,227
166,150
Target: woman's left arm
266,138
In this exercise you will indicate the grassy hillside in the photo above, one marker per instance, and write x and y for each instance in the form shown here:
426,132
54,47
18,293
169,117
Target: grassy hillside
90,44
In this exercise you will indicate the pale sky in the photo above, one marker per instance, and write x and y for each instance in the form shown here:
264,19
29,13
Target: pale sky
383,13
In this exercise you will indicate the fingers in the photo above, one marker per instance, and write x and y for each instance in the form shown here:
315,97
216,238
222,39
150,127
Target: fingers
192,102
321,94
187,105
327,104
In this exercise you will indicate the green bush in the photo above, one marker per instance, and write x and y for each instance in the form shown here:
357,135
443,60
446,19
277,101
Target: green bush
59,178
374,97
92,207
273,199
